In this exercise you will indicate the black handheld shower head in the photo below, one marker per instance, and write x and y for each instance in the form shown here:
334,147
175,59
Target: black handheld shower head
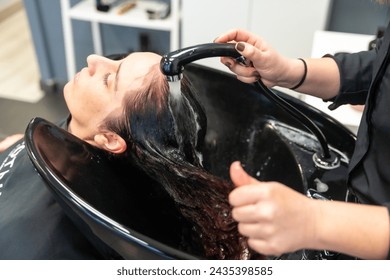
172,64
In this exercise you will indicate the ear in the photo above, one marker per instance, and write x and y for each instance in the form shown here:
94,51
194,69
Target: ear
110,142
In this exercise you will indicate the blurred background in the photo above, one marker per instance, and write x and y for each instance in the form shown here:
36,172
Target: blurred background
44,43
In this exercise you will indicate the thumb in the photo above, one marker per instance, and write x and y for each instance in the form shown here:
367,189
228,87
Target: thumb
239,176
247,50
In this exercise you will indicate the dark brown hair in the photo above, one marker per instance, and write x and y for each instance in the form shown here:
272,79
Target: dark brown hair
164,136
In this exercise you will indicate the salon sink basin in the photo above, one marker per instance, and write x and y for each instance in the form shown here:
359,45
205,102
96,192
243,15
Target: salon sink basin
128,215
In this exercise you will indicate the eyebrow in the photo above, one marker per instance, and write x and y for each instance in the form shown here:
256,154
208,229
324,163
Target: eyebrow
116,77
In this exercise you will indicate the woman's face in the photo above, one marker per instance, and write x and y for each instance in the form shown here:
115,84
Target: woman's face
98,90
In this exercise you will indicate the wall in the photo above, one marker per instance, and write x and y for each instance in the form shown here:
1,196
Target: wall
204,20
282,23
358,16
289,26
355,16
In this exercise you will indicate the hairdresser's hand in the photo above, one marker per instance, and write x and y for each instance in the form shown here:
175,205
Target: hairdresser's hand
9,141
269,65
275,218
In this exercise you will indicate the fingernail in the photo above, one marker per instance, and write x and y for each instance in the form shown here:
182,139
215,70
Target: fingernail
228,65
215,39
240,46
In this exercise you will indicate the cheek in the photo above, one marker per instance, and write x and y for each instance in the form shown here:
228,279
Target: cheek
82,93
94,106
80,101
88,101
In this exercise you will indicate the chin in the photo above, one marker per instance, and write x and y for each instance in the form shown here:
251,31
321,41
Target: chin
67,86
66,92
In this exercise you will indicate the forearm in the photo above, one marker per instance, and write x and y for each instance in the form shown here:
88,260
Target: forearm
322,78
354,229
9,141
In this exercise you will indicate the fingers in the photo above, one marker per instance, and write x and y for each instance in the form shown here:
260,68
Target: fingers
247,43
239,176
244,73
261,211
247,74
256,51
262,237
245,194
234,35
246,213
265,247
249,80
249,51
252,230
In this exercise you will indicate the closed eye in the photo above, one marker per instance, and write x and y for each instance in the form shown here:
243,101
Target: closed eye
105,79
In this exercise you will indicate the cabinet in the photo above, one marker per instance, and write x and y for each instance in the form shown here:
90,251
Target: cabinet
137,17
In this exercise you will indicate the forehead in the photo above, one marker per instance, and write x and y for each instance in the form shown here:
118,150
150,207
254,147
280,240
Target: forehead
135,67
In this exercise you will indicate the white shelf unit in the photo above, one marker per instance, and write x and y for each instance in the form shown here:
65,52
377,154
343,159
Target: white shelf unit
137,17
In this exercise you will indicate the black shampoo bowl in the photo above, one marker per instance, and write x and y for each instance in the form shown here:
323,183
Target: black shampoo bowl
131,217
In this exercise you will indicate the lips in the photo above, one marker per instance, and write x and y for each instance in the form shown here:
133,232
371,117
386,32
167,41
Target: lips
78,75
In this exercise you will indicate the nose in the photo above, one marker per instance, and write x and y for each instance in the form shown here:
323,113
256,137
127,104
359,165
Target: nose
96,62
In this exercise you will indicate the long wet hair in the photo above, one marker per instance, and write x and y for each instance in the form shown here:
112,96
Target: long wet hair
164,133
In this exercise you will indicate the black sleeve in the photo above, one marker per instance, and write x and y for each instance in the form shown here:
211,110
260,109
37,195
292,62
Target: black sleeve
355,77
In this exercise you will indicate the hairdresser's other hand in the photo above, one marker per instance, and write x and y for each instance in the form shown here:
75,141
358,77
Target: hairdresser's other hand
9,141
275,218
269,65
